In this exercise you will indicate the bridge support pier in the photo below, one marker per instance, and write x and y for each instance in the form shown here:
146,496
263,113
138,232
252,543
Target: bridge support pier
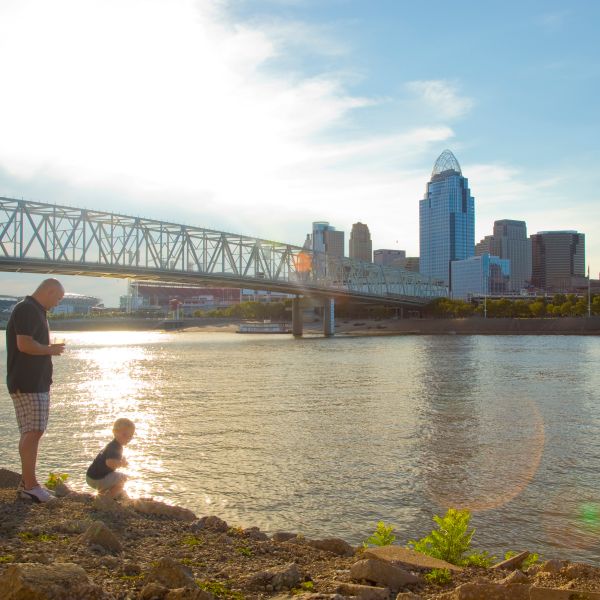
296,317
329,317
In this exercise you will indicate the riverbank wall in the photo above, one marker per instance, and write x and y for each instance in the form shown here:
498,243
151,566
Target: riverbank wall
465,326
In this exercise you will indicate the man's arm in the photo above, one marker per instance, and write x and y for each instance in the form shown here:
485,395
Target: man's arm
27,345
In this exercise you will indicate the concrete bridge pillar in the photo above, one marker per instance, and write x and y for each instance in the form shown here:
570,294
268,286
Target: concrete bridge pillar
296,317
329,317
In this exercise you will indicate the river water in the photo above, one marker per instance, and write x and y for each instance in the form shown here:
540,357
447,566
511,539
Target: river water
328,436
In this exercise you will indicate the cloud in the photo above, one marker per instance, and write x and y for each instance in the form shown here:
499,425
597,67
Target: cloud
442,97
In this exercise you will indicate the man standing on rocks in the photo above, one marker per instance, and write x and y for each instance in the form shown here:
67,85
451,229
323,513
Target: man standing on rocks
29,376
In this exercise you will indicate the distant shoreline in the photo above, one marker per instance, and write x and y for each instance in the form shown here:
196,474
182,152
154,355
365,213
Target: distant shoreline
463,326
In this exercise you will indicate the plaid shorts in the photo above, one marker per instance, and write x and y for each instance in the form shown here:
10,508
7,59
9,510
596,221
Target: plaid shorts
32,410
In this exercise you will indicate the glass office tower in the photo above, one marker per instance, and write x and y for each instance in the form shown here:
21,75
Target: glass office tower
446,219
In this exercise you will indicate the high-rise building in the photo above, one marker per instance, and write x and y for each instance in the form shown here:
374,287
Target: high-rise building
510,241
446,219
558,259
411,263
388,258
485,246
482,275
325,239
361,247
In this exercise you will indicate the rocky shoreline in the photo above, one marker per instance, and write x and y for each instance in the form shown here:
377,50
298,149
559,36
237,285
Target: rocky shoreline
81,546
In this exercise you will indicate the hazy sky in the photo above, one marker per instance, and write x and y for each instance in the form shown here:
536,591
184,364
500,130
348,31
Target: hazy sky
259,117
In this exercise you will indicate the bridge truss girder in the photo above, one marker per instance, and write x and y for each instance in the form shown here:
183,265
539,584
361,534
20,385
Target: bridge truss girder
36,237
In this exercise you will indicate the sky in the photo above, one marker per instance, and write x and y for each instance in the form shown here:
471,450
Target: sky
260,116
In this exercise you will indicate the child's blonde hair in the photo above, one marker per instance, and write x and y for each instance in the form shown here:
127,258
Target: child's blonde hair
122,423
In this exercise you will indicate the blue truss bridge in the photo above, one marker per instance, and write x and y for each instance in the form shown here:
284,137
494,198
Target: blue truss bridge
47,238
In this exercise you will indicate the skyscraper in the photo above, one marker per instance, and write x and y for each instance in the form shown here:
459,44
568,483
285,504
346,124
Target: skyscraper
446,219
510,241
558,258
361,247
325,239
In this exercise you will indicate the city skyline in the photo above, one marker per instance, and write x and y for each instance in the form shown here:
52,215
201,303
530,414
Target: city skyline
261,118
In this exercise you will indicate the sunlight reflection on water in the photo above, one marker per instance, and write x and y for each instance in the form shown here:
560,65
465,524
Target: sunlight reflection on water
327,436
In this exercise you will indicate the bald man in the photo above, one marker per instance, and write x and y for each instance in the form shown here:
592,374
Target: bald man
29,376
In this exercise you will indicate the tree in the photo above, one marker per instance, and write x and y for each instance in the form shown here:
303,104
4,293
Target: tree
537,309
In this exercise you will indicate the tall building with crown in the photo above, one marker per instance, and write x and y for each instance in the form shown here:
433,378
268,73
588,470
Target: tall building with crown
446,219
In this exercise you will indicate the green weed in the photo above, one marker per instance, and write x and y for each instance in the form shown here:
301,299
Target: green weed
28,536
191,541
305,586
55,478
220,590
7,558
190,562
131,577
439,576
479,559
244,551
382,536
450,540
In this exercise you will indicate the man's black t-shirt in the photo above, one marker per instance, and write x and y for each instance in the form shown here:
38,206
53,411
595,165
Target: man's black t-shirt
99,469
25,372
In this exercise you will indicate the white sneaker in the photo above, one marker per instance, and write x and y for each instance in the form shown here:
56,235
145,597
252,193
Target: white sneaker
37,494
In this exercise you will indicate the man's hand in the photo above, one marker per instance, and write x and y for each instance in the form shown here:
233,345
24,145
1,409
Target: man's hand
124,462
56,349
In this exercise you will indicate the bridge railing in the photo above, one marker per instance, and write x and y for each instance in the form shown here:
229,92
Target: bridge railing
101,242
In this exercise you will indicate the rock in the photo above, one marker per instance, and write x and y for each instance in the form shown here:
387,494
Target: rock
153,591
552,566
407,596
9,479
283,536
382,573
333,545
61,489
539,593
515,577
171,574
188,593
514,562
58,581
105,503
405,557
277,578
577,571
110,562
74,526
153,507
254,533
212,523
490,591
98,534
131,568
363,592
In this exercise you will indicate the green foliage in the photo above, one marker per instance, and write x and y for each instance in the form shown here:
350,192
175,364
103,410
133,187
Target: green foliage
191,541
382,536
250,310
439,576
190,562
533,558
7,558
244,551
218,589
305,586
55,478
561,305
451,540
28,536
131,577
479,559
235,532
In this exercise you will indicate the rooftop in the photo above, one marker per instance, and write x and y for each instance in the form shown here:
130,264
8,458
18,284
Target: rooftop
446,161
